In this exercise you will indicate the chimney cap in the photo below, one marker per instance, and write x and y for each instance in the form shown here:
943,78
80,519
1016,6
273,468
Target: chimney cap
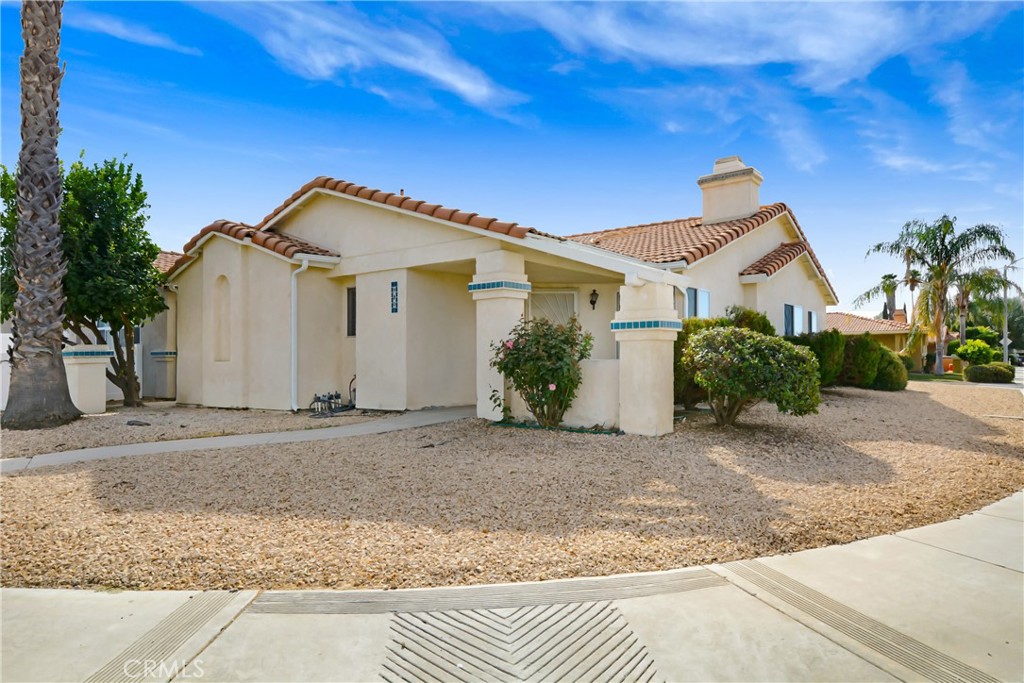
730,168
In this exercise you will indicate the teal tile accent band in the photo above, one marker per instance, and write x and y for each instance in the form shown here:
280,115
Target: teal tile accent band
500,284
83,354
163,354
647,325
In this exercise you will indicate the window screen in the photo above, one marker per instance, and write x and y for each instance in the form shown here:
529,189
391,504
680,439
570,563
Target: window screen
558,307
787,320
812,321
798,320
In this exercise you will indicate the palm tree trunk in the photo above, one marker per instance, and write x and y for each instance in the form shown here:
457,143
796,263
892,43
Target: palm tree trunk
939,326
39,394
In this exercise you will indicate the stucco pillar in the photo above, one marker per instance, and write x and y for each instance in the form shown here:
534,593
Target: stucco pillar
500,290
86,366
646,327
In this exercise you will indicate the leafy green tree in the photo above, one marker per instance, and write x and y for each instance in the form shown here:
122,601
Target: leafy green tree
38,395
978,282
985,334
988,311
542,362
110,274
943,255
740,367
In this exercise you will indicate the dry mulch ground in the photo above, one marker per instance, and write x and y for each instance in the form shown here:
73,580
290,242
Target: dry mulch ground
468,503
167,422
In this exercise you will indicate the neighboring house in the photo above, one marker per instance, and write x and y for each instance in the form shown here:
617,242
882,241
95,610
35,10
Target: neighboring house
342,281
890,333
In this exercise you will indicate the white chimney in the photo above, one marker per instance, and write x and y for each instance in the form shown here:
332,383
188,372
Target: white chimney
731,191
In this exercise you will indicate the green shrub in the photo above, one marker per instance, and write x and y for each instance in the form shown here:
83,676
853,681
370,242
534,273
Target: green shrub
741,316
991,374
1000,364
952,346
542,362
828,347
739,367
976,352
907,360
983,333
891,375
685,390
860,362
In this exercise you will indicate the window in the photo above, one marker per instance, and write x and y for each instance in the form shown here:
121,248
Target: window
812,321
350,311
556,306
698,303
792,320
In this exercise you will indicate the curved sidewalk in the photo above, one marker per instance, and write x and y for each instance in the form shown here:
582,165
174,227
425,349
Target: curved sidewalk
943,602
408,420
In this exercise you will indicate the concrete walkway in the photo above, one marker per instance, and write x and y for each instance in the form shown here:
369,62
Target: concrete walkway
415,418
944,602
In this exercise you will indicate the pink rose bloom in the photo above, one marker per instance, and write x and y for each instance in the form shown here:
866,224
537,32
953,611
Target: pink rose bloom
509,343
551,387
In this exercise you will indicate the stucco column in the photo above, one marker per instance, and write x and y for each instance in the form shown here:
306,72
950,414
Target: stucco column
86,366
500,290
646,327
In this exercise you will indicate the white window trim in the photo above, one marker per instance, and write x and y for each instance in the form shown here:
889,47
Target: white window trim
575,299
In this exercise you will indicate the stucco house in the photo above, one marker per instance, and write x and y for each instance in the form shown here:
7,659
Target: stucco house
892,334
344,281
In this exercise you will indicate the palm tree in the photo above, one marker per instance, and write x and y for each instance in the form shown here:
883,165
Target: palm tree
979,282
39,394
913,280
886,287
943,256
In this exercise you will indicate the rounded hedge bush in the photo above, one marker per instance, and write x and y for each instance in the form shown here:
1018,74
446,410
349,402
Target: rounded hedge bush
860,364
907,361
892,374
739,367
989,374
976,352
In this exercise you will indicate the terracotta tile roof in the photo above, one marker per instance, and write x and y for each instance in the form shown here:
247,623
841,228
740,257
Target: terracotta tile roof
165,260
776,259
403,202
286,245
850,323
688,240
683,239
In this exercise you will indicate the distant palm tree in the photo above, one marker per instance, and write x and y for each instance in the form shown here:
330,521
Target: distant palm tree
38,394
887,287
981,282
943,256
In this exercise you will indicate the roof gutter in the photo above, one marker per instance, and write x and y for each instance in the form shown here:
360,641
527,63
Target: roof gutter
295,333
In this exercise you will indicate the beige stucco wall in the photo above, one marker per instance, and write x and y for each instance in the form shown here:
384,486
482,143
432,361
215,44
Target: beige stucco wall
159,335
381,338
597,321
596,404
719,273
190,304
441,353
321,329
353,229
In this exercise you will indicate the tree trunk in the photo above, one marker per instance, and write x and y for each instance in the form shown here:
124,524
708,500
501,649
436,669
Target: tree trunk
940,337
890,301
963,324
39,394
131,389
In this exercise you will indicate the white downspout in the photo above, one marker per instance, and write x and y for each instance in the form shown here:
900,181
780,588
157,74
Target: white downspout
295,333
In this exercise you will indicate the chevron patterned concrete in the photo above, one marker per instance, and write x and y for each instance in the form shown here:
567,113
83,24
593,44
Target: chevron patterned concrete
571,642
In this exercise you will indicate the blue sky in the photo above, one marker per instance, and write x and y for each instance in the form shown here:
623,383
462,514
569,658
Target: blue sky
569,117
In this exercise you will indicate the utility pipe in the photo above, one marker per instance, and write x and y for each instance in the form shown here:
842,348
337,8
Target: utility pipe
295,333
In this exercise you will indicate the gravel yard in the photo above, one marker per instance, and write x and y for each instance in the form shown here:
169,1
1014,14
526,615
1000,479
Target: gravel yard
167,421
467,502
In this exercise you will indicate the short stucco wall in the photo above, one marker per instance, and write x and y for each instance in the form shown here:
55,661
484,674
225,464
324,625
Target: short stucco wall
596,404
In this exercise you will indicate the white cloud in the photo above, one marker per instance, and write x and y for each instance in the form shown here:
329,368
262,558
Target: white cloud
976,119
828,44
123,30
326,42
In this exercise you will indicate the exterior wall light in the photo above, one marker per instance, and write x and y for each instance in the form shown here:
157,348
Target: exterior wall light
593,299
